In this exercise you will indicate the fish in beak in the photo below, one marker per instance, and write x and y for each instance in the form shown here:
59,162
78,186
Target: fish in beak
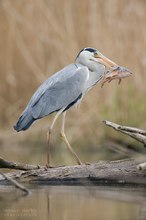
115,71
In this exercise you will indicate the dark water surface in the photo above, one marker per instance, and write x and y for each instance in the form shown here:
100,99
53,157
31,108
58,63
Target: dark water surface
74,203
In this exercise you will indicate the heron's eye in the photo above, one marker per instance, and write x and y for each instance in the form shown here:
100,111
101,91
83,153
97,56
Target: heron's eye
97,54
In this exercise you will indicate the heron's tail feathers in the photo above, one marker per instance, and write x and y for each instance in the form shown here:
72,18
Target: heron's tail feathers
24,122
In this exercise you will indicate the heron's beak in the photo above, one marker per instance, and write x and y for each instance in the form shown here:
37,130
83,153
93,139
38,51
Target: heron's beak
105,61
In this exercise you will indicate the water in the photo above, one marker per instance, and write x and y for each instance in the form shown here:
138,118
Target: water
74,203
68,202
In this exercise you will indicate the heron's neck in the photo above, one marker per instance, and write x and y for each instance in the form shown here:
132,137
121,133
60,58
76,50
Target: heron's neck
91,65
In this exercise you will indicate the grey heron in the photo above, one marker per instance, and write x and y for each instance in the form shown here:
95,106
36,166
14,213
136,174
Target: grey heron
63,90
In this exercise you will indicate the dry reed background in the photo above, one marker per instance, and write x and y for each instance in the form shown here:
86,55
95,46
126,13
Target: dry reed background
39,37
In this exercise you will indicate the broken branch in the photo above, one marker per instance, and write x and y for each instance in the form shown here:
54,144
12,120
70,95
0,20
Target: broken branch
17,166
16,184
133,132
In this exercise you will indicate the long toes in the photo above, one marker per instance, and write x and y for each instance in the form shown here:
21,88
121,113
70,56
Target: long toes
87,163
49,166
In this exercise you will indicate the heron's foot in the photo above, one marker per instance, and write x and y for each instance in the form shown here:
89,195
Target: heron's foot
87,163
38,166
49,166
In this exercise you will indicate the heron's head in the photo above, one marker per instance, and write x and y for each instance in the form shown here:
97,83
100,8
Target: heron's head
90,56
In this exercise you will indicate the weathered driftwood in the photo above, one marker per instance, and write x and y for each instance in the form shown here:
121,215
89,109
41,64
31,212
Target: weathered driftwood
16,184
103,172
137,134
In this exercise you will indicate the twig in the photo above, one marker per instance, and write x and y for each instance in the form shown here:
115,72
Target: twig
135,133
17,166
16,184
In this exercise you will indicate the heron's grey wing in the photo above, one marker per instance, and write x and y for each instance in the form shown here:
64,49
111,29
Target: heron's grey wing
59,76
62,93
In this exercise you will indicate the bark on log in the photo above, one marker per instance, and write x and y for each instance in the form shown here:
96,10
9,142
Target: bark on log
103,172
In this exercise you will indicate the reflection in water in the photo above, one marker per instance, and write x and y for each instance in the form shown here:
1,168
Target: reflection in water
79,202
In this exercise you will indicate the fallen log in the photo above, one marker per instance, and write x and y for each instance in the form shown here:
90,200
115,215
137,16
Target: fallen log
104,172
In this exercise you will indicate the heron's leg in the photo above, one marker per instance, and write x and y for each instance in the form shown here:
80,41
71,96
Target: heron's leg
49,136
64,138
